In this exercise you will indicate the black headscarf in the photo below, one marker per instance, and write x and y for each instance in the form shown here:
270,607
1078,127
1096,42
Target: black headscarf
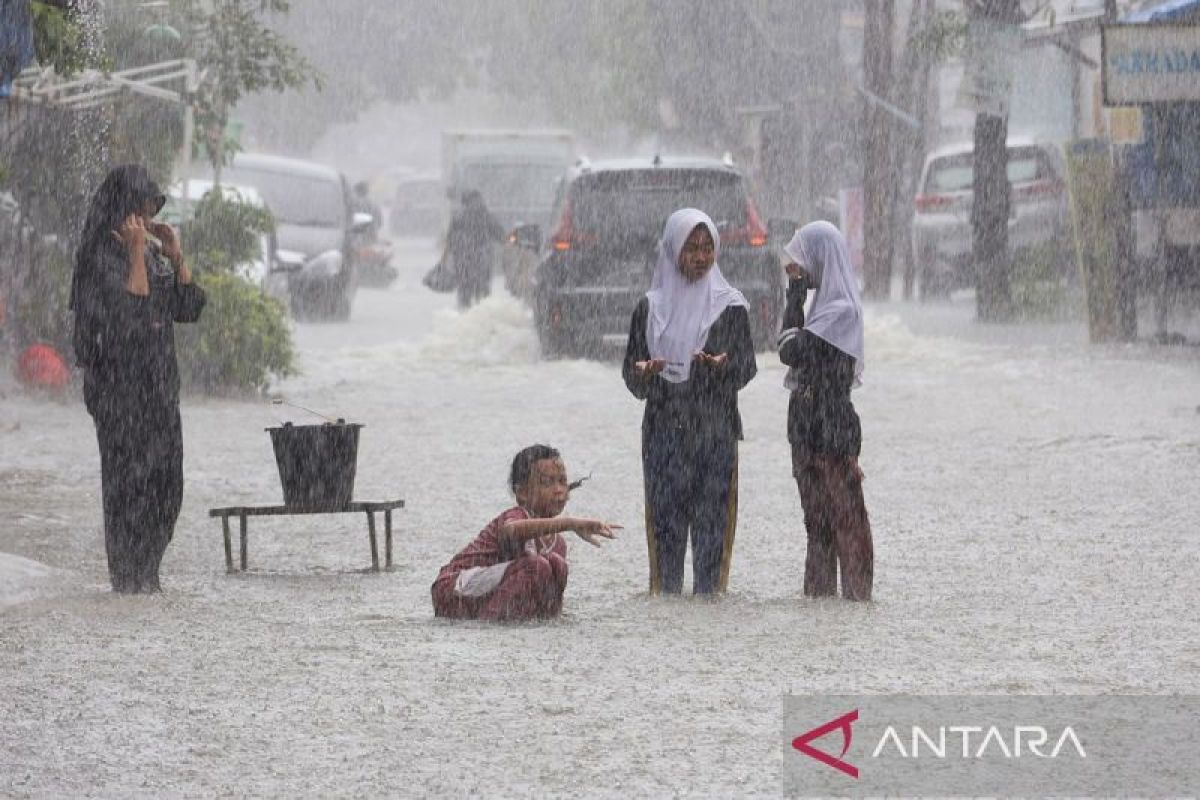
124,191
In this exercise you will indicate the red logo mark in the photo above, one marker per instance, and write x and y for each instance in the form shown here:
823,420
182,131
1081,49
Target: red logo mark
843,722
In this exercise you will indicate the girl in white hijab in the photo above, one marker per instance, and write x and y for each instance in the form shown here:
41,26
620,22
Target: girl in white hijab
689,353
685,301
825,359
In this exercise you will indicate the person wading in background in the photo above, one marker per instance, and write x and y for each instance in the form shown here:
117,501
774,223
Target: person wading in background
131,285
825,359
469,243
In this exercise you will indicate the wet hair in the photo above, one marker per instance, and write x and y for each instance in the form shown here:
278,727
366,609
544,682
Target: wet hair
522,464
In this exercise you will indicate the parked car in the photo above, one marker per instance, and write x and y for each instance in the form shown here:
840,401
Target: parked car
599,260
941,227
182,195
418,206
315,223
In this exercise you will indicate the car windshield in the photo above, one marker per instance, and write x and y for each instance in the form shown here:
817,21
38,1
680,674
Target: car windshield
296,199
636,204
515,186
420,193
957,173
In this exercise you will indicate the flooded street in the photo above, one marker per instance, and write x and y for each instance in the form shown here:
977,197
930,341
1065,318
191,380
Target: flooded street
1034,507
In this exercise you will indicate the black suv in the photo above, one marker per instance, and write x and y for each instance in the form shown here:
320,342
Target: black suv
600,259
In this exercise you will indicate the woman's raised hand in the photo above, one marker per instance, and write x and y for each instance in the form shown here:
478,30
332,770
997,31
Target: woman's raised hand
132,233
170,240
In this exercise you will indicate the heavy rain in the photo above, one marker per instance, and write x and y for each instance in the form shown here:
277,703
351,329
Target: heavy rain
861,336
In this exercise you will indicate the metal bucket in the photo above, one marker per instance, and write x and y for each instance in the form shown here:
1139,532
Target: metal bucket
316,463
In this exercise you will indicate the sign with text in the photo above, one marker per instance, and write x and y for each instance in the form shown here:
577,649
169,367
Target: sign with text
971,745
1150,64
990,57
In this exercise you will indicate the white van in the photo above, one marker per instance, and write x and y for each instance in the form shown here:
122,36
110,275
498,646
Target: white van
314,221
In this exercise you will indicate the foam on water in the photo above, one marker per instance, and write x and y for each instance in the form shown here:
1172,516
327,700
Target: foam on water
496,333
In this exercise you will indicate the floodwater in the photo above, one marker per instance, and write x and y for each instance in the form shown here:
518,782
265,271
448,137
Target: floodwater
1033,498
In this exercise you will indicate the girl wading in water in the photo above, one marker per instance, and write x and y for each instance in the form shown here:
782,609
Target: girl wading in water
689,354
825,358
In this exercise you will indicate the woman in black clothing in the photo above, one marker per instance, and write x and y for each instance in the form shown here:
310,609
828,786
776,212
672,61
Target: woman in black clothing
469,243
689,353
130,286
825,357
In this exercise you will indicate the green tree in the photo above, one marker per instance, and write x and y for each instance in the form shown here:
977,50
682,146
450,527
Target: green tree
238,54
58,38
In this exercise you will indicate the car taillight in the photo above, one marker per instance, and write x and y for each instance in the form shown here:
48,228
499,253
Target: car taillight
566,237
1047,187
932,202
753,233
561,240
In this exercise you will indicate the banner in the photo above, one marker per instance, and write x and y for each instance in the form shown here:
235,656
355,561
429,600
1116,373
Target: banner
1146,63
990,59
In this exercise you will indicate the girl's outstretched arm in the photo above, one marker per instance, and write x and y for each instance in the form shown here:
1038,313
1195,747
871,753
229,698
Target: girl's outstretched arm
590,530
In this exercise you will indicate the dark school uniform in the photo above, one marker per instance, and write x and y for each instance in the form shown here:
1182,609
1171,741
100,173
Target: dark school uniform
690,432
826,437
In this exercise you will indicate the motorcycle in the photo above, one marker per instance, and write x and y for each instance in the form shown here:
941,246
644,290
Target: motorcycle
375,264
317,287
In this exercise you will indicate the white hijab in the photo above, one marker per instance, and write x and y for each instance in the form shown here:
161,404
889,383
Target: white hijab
682,311
836,314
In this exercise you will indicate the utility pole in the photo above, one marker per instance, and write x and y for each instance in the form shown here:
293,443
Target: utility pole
877,174
991,205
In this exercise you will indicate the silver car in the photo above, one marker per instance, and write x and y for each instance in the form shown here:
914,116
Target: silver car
941,228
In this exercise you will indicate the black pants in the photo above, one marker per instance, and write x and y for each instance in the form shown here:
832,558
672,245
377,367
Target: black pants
691,486
141,468
474,281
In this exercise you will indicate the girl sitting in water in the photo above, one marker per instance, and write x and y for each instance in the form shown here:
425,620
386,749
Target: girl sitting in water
516,568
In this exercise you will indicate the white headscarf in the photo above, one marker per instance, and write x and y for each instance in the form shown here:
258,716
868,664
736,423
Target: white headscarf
682,311
836,314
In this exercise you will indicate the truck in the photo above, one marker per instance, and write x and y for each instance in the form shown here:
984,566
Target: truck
516,171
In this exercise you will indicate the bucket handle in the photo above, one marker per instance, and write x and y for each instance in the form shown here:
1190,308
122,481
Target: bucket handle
279,401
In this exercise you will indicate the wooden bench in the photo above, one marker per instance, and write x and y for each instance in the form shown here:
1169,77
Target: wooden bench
369,508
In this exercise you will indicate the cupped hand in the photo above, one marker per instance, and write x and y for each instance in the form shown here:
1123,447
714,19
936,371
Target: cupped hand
715,362
651,367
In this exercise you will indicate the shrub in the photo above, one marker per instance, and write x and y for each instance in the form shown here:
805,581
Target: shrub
242,338
221,233
1039,283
